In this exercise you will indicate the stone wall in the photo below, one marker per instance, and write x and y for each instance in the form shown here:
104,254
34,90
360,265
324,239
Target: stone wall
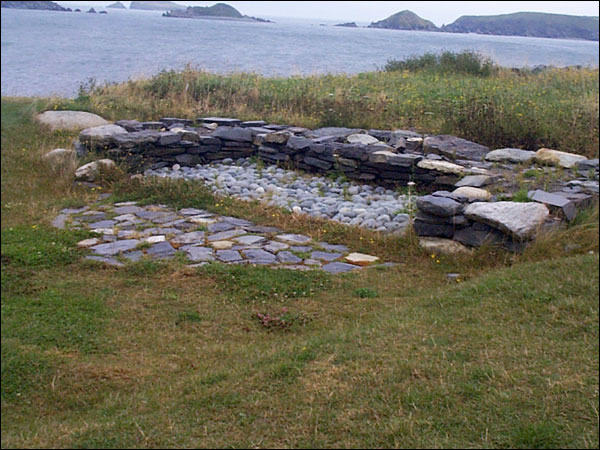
452,169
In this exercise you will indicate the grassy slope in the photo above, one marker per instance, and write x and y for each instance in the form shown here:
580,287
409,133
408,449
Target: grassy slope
555,109
159,355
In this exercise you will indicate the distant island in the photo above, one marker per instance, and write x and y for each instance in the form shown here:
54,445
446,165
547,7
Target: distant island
216,11
117,5
48,6
347,24
156,6
530,24
405,20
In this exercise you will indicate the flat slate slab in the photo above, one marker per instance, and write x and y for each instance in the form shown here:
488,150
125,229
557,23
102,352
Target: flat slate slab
339,267
113,248
293,238
520,220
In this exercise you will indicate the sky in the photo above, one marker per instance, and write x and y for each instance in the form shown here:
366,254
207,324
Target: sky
364,12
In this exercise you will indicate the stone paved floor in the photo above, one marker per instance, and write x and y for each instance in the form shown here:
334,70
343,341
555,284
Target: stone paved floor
128,232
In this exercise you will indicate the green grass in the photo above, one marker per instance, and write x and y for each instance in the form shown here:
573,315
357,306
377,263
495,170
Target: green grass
555,108
159,355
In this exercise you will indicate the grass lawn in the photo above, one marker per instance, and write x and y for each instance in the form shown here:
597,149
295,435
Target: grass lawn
161,355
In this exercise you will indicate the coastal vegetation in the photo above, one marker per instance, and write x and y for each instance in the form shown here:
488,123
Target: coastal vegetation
160,355
463,94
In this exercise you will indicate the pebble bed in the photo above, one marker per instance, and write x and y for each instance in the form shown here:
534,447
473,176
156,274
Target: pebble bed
374,208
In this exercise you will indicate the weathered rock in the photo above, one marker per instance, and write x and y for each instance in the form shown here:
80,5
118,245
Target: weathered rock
237,134
297,239
474,181
473,193
363,139
61,158
441,166
336,132
520,220
112,248
454,147
557,158
439,206
338,267
555,202
100,136
510,155
89,172
361,259
70,120
279,137
220,121
442,246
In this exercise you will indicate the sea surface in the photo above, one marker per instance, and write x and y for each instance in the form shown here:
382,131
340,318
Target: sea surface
48,53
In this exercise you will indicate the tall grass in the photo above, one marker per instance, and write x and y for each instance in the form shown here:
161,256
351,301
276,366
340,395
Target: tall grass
467,62
557,108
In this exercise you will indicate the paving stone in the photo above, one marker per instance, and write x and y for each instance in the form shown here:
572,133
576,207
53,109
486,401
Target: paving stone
125,217
249,240
237,222
257,256
165,219
103,224
312,262
200,254
88,242
301,248
161,250
113,248
293,238
293,267
128,209
202,220
60,221
286,257
126,203
220,226
224,235
222,245
262,229
155,239
274,246
361,259
339,267
228,255
194,212
151,215
325,256
74,210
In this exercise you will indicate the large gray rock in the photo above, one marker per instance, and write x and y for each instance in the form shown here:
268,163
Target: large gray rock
557,158
61,158
556,202
510,155
70,120
237,134
89,172
100,136
439,206
454,147
337,132
520,220
363,139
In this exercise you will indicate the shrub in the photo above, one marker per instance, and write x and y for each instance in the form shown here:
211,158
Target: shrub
467,62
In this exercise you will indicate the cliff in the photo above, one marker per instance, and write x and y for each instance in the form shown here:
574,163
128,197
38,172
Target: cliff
216,11
531,24
49,6
117,5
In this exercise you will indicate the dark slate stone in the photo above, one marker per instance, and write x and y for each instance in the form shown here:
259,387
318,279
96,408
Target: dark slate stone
103,224
339,267
161,250
136,138
169,121
253,123
555,202
439,206
217,227
223,235
298,143
152,125
202,254
333,131
257,256
168,138
457,221
187,159
113,248
262,229
588,164
134,256
353,151
237,134
237,222
433,229
324,165
109,261
286,257
130,125
221,121
150,215
209,141
228,255
128,209
480,234
325,256
454,147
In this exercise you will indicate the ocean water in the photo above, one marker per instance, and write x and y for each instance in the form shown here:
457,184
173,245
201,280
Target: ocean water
52,53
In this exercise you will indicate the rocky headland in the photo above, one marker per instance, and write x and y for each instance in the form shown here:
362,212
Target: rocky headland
217,11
